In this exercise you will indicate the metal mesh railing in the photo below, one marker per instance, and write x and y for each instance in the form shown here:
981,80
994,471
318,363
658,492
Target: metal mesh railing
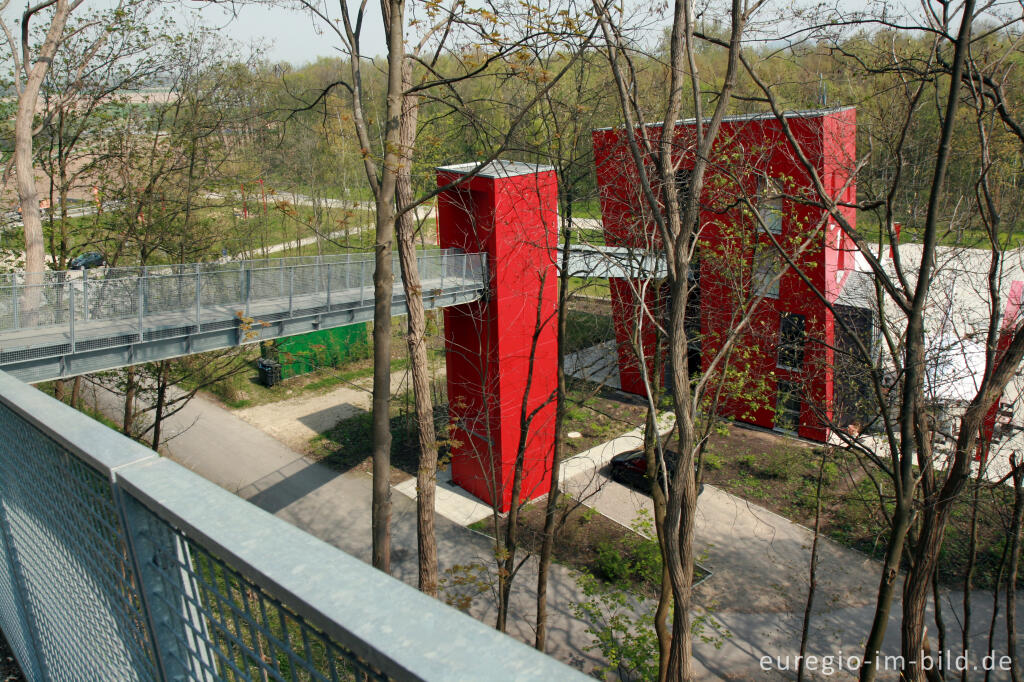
65,550
71,307
225,626
117,564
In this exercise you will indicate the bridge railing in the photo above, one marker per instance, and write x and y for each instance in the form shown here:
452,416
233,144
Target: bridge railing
117,564
185,293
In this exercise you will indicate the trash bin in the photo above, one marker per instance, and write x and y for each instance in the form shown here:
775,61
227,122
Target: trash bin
270,372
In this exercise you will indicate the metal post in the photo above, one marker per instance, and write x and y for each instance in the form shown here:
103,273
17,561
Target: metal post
241,280
17,300
362,280
141,304
71,314
85,293
444,267
248,289
280,279
199,298
328,287
171,603
465,259
291,288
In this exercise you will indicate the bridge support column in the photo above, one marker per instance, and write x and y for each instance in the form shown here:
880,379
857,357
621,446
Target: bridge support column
501,351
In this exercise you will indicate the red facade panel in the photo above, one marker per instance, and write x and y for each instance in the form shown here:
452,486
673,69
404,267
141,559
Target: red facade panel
505,347
752,163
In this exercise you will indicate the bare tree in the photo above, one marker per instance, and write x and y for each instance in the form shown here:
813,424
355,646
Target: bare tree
388,173
928,467
32,64
656,160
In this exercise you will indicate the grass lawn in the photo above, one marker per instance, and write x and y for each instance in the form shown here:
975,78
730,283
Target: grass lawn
587,326
592,287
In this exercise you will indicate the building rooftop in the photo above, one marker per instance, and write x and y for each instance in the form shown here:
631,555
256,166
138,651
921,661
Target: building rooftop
497,169
735,118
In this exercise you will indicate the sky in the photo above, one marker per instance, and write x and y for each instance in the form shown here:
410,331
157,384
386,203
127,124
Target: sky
294,36
288,35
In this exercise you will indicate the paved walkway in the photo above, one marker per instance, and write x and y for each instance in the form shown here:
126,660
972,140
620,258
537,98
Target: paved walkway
335,507
758,587
759,560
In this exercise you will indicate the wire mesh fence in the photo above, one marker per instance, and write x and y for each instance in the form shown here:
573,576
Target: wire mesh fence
117,564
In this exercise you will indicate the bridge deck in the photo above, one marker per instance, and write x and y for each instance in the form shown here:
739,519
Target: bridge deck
75,323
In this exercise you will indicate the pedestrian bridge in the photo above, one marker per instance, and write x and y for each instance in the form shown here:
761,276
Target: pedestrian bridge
73,322
70,323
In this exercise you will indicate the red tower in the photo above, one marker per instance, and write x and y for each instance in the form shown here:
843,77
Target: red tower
503,348
784,360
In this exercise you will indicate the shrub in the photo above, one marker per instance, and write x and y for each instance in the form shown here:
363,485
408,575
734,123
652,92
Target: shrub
610,563
712,461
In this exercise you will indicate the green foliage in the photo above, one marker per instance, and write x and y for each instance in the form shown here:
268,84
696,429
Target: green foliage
712,461
611,564
633,560
622,628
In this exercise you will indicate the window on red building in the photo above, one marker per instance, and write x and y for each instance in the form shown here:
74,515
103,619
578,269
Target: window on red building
792,336
769,205
683,186
765,277
787,408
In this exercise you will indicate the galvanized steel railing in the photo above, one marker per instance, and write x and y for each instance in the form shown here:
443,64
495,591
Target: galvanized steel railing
117,564
70,307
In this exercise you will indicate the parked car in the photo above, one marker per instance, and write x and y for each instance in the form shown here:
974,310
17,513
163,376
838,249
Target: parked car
630,468
90,259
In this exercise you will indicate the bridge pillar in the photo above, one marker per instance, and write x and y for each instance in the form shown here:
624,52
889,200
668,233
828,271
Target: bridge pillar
503,347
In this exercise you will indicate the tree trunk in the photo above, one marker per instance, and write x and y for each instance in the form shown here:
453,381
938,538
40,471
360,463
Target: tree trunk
551,505
28,197
507,562
426,471
813,574
1011,576
383,273
968,584
129,402
995,603
161,402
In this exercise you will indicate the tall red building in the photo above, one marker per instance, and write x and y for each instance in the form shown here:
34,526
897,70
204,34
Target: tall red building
503,348
781,374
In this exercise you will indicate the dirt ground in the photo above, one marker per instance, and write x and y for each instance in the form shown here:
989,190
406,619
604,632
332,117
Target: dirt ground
9,670
296,421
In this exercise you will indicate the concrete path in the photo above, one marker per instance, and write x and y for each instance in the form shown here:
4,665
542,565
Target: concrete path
296,421
335,507
759,560
758,588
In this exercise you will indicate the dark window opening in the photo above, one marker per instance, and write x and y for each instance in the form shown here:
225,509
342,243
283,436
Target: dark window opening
792,337
683,176
787,408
